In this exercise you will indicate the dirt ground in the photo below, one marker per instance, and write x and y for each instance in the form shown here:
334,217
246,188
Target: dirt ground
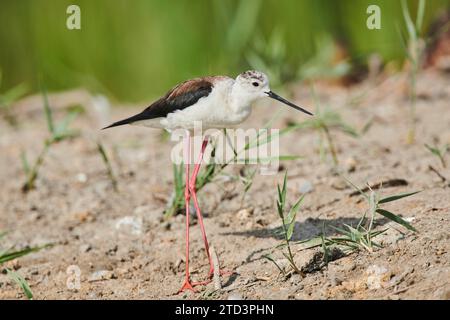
124,249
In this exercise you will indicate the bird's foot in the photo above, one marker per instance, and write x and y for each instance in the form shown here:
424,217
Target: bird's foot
187,285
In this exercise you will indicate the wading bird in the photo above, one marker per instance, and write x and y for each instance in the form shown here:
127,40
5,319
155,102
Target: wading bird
216,102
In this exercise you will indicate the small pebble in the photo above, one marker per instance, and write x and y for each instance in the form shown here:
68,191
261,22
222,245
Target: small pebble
244,214
350,165
234,296
306,186
82,178
130,224
101,275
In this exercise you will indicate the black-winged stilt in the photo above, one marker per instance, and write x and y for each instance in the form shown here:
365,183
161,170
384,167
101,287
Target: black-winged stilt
216,102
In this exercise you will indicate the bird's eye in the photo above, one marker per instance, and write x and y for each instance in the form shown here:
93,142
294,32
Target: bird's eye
255,84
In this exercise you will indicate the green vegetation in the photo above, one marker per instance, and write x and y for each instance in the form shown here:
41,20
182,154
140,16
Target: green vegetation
11,254
101,150
347,239
323,122
136,52
414,48
8,97
58,132
288,224
439,152
361,237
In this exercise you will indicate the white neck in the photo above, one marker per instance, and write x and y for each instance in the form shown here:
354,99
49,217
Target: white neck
240,100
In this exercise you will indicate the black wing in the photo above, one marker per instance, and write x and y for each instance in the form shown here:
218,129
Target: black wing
182,96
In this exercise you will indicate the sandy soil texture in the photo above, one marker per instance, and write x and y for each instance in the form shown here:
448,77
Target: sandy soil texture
124,249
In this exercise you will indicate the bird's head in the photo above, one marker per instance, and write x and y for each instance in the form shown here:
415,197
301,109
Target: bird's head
255,85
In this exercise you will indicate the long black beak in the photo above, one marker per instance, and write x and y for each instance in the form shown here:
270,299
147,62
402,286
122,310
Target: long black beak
273,95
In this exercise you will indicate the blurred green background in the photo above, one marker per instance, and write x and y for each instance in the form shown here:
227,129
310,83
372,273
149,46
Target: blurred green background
134,50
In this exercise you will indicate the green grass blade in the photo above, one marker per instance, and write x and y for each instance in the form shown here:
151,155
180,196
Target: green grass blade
48,113
61,128
408,21
396,197
270,159
420,15
365,195
25,164
290,229
279,194
269,123
325,249
3,233
395,218
283,190
404,43
290,219
108,165
21,282
341,231
7,256
12,95
264,140
271,259
433,150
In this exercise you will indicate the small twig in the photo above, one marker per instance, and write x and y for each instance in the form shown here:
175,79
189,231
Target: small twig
241,287
32,173
444,179
331,144
414,285
107,163
216,274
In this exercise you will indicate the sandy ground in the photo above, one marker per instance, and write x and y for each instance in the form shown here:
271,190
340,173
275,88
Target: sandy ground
124,249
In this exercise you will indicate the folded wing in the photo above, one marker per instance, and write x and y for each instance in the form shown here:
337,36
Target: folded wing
178,98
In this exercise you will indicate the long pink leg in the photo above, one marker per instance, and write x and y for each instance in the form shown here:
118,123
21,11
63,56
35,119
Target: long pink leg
197,207
187,285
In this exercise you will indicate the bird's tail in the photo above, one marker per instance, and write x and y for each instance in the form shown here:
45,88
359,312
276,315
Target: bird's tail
129,120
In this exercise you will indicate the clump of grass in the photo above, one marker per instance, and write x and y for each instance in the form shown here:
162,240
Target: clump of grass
414,47
58,132
361,236
323,122
288,219
353,239
8,97
270,55
439,152
321,258
323,64
112,177
375,203
10,254
241,20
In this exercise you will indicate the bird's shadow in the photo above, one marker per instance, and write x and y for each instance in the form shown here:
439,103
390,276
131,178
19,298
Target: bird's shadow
308,229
